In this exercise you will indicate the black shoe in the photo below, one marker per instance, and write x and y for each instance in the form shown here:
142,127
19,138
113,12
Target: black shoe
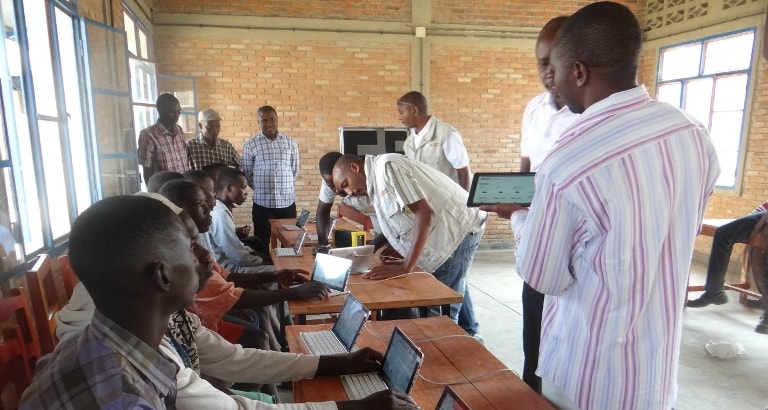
708,298
762,327
754,304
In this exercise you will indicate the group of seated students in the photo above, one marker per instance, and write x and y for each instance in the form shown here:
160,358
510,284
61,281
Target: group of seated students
158,321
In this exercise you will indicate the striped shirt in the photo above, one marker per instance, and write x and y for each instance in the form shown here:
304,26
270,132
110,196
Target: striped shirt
609,238
162,150
271,167
201,154
105,367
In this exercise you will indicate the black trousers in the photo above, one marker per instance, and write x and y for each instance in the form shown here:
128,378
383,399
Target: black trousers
261,216
533,305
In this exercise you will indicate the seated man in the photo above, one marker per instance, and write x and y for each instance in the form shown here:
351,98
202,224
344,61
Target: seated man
738,231
144,278
158,179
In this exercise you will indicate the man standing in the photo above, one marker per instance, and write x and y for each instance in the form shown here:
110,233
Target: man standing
432,141
270,163
161,146
610,231
423,215
207,148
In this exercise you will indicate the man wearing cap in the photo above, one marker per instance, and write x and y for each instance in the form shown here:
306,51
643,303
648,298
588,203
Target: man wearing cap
207,148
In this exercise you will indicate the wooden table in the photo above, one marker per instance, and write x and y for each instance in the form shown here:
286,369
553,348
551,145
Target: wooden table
708,227
346,211
460,361
288,238
414,290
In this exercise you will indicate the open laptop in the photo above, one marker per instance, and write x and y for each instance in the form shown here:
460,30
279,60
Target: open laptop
451,401
341,338
502,188
296,250
332,271
300,222
361,257
398,370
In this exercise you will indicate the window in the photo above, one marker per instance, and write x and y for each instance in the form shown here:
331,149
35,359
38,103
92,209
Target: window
709,78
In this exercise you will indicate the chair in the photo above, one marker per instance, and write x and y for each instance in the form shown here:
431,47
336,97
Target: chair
46,301
754,259
67,275
18,349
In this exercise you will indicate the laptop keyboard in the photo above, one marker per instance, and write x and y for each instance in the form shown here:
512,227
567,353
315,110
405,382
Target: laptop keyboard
324,342
285,252
360,386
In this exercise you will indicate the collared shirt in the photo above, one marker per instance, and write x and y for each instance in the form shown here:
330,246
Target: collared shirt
162,150
271,167
608,238
104,367
453,145
542,125
201,154
227,248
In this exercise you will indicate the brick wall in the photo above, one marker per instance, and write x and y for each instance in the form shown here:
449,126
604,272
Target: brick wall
389,10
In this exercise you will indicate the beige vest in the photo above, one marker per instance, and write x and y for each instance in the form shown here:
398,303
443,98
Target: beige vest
430,149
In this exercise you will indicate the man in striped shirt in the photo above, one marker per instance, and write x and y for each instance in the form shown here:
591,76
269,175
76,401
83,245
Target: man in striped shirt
609,234
207,148
161,146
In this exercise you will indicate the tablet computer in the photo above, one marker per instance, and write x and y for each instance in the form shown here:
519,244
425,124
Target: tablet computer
502,188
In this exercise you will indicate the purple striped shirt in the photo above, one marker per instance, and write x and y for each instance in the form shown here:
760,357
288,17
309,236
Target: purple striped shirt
609,236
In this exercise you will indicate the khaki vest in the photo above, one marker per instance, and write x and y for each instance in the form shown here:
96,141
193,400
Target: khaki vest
430,149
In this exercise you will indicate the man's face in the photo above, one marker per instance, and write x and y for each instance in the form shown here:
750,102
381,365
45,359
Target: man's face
328,178
543,54
196,205
169,112
237,192
407,114
565,82
186,275
211,128
268,123
350,179
210,194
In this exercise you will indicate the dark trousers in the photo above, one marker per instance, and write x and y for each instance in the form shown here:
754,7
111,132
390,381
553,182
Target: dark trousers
725,236
262,215
533,305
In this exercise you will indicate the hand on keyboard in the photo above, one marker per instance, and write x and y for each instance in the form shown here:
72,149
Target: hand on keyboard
310,290
386,399
365,360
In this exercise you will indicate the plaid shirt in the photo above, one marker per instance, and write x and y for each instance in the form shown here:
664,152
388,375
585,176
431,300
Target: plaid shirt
105,367
161,150
200,154
271,168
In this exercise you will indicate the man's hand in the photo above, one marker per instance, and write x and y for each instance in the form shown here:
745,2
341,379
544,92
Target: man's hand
243,232
287,277
503,210
365,360
385,271
389,254
383,400
310,290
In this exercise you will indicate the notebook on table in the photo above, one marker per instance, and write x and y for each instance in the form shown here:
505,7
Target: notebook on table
361,257
342,336
451,401
296,250
331,271
300,222
502,188
398,370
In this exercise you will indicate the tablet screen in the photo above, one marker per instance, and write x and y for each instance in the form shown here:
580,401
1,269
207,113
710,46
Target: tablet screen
502,188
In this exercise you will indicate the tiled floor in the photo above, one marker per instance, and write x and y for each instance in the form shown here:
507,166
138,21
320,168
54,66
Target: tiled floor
704,382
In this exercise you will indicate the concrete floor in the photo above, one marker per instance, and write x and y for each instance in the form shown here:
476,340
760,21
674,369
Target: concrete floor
704,382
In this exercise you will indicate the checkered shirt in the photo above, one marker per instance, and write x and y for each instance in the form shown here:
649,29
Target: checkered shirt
161,150
271,168
201,154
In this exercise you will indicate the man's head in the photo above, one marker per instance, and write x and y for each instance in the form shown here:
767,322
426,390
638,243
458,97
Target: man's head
326,164
190,197
544,44
349,175
209,122
131,250
596,54
231,185
214,170
168,109
158,179
204,264
205,182
267,117
412,109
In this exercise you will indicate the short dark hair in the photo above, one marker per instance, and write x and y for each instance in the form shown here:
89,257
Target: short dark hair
196,175
116,236
158,179
416,99
177,189
228,176
606,37
166,98
327,162
265,108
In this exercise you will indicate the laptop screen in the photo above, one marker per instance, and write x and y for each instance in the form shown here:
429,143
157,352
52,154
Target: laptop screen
302,219
300,241
331,270
502,188
451,401
401,362
351,320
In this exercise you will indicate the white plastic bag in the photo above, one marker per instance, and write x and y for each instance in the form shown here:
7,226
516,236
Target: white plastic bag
724,350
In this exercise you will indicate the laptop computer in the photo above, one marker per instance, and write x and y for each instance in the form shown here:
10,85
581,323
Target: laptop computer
398,370
342,336
502,188
300,222
451,401
361,257
296,250
332,271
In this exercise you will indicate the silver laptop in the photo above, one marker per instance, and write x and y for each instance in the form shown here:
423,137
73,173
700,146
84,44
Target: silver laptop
296,250
361,257
300,222
398,370
331,271
342,336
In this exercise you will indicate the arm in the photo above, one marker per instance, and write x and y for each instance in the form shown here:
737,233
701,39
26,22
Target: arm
295,158
222,234
422,212
464,179
323,221
456,153
146,155
253,298
247,164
